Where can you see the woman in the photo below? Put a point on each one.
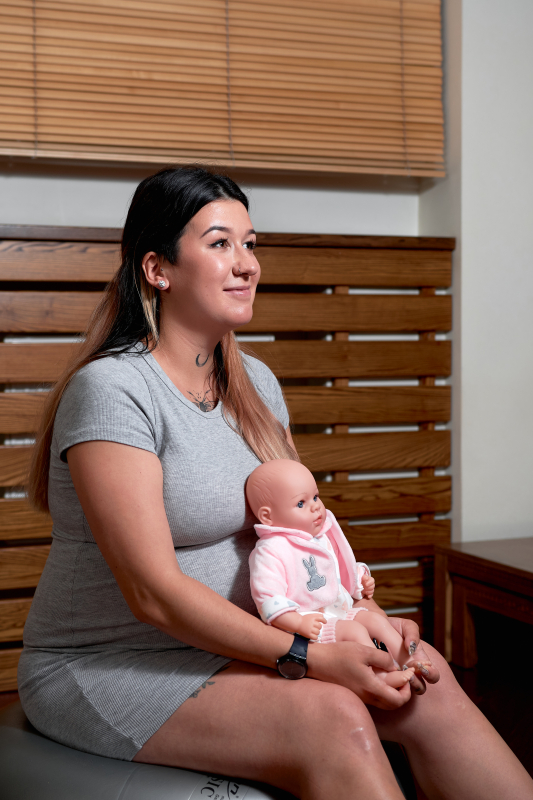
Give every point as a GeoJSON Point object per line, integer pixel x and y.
{"type": "Point", "coordinates": [141, 642]}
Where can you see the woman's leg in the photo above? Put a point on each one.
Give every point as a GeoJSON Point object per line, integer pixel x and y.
{"type": "Point", "coordinates": [453, 750]}
{"type": "Point", "coordinates": [313, 739]}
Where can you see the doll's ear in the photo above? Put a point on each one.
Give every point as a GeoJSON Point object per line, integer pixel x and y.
{"type": "Point", "coordinates": [264, 515]}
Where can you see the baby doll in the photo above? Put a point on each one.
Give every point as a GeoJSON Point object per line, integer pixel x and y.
{"type": "Point", "coordinates": [303, 573]}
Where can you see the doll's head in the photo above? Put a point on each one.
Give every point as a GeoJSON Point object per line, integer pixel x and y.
{"type": "Point", "coordinates": [284, 494]}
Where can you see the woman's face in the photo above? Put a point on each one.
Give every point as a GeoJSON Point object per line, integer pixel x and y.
{"type": "Point", "coordinates": [212, 285]}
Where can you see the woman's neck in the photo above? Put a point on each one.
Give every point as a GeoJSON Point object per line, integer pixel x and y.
{"type": "Point", "coordinates": [187, 359]}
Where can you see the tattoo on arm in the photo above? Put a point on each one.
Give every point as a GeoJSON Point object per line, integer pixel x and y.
{"type": "Point", "coordinates": [198, 360]}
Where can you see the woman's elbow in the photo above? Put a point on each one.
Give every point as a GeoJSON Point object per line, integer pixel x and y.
{"type": "Point", "coordinates": [147, 608]}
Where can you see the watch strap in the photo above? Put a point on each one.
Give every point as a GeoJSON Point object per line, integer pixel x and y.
{"type": "Point", "coordinates": [299, 646]}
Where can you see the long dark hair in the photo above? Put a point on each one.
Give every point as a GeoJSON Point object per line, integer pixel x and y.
{"type": "Point", "coordinates": [161, 207]}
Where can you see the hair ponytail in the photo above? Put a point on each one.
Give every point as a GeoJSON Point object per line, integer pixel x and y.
{"type": "Point", "coordinates": [128, 313]}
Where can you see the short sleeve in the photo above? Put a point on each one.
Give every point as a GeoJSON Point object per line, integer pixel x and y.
{"type": "Point", "coordinates": [107, 400]}
{"type": "Point", "coordinates": [268, 387]}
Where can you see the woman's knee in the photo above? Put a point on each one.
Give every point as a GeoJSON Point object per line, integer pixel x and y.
{"type": "Point", "coordinates": [332, 714]}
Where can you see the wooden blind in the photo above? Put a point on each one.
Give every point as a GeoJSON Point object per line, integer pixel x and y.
{"type": "Point", "coordinates": [343, 86]}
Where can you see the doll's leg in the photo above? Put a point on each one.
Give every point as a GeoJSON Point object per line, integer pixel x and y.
{"type": "Point", "coordinates": [354, 631]}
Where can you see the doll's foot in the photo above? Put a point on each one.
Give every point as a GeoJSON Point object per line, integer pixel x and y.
{"type": "Point", "coordinates": [396, 679]}
{"type": "Point", "coordinates": [422, 664]}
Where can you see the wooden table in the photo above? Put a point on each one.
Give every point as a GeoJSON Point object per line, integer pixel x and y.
{"type": "Point", "coordinates": [493, 575]}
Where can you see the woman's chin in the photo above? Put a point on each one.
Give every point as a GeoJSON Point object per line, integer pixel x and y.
{"type": "Point", "coordinates": [240, 319]}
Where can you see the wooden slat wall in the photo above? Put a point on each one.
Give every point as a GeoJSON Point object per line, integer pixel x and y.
{"type": "Point", "coordinates": [50, 280]}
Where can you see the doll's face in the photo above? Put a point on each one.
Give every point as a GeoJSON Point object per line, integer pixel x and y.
{"type": "Point", "coordinates": [295, 504]}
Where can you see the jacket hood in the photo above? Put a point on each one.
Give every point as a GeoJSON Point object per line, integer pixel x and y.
{"type": "Point", "coordinates": [264, 531]}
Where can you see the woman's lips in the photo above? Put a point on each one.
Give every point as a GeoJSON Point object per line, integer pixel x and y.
{"type": "Point", "coordinates": [239, 291]}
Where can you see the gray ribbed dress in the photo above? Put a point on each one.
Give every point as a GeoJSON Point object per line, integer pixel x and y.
{"type": "Point", "coordinates": [91, 675]}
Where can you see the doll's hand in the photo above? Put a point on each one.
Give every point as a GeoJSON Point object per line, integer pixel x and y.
{"type": "Point", "coordinates": [368, 586]}
{"type": "Point", "coordinates": [311, 625]}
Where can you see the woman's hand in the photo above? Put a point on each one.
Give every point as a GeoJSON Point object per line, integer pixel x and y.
{"type": "Point", "coordinates": [351, 665]}
{"type": "Point", "coordinates": [424, 671]}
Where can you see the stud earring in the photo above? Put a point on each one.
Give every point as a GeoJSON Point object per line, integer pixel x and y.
{"type": "Point", "coordinates": [162, 284]}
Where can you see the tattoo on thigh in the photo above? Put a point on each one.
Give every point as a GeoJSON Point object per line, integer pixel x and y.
{"type": "Point", "coordinates": [203, 686]}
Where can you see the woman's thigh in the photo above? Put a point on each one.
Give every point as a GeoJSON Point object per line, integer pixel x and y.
{"type": "Point", "coordinates": [251, 723]}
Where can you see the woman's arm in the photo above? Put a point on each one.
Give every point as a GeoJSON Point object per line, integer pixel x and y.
{"type": "Point", "coordinates": [121, 492]}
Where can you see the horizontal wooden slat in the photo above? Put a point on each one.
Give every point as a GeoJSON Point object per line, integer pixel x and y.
{"type": "Point", "coordinates": [319, 452]}
{"type": "Point", "coordinates": [9, 660]}
{"type": "Point", "coordinates": [303, 359]}
{"type": "Point", "coordinates": [35, 363]}
{"type": "Point", "coordinates": [89, 150]}
{"type": "Point", "coordinates": [69, 312]}
{"type": "Point", "coordinates": [353, 499]}
{"type": "Point", "coordinates": [373, 451]}
{"type": "Point", "coordinates": [397, 539]}
{"type": "Point", "coordinates": [46, 312]}
{"type": "Point", "coordinates": [58, 261]}
{"type": "Point", "coordinates": [357, 313]}
{"type": "Point", "coordinates": [86, 261]}
{"type": "Point", "coordinates": [74, 234]}
{"type": "Point", "coordinates": [19, 521]}
{"type": "Point", "coordinates": [21, 567]}
{"type": "Point", "coordinates": [66, 234]}
{"type": "Point", "coordinates": [399, 587]}
{"type": "Point", "coordinates": [416, 616]}
{"type": "Point", "coordinates": [327, 266]}
{"type": "Point", "coordinates": [13, 615]}
{"type": "Point", "coordinates": [367, 405]}
{"type": "Point", "coordinates": [20, 411]}
{"type": "Point", "coordinates": [14, 464]}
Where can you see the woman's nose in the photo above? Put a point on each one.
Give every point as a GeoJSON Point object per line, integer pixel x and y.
{"type": "Point", "coordinates": [243, 265]}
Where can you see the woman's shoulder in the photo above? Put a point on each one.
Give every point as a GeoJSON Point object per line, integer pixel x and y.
{"type": "Point", "coordinates": [106, 399]}
{"type": "Point", "coordinates": [113, 381]}
{"type": "Point", "coordinates": [113, 370]}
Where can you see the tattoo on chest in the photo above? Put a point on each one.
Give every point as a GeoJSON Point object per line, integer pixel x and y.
{"type": "Point", "coordinates": [203, 403]}
{"type": "Point", "coordinates": [203, 363]}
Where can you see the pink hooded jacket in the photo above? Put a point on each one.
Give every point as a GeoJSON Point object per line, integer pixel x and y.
{"type": "Point", "coordinates": [290, 571]}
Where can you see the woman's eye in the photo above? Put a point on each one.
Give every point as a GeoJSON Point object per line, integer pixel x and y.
{"type": "Point", "coordinates": [250, 245]}
{"type": "Point", "coordinates": [219, 243]}
{"type": "Point", "coordinates": [300, 504]}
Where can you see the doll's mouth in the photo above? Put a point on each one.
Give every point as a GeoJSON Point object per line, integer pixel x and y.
{"type": "Point", "coordinates": [318, 519]}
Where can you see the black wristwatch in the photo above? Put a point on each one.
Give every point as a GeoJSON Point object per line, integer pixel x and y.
{"type": "Point", "coordinates": [293, 665]}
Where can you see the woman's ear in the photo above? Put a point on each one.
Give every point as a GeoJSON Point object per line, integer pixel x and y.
{"type": "Point", "coordinates": [152, 267]}
{"type": "Point", "coordinates": [264, 515]}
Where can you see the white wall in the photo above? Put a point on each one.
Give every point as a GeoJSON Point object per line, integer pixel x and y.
{"type": "Point", "coordinates": [489, 193]}
{"type": "Point", "coordinates": [27, 199]}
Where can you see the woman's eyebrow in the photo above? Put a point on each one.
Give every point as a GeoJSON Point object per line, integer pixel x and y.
{"type": "Point", "coordinates": [223, 228]}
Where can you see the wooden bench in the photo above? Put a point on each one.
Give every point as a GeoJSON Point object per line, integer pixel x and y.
{"type": "Point", "coordinates": [358, 366]}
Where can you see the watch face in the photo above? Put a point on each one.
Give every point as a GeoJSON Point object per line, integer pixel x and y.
{"type": "Point", "coordinates": [292, 670]}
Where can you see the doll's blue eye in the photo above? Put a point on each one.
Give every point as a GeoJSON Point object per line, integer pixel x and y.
{"type": "Point", "coordinates": [300, 504]}
{"type": "Point", "coordinates": [315, 498]}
